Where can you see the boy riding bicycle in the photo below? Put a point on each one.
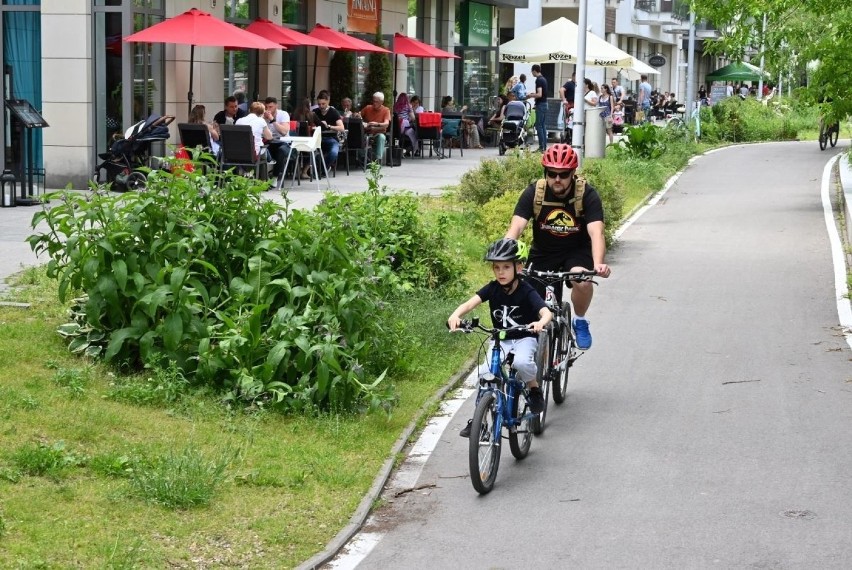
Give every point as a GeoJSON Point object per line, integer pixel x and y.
{"type": "Point", "coordinates": [511, 302]}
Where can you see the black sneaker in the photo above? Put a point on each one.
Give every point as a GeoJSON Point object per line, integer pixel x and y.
{"type": "Point", "coordinates": [536, 400]}
{"type": "Point", "coordinates": [465, 431]}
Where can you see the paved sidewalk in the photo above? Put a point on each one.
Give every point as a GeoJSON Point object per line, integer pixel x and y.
{"type": "Point", "coordinates": [419, 175]}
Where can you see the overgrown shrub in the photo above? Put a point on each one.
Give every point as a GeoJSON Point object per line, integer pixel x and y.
{"type": "Point", "coordinates": [645, 140]}
{"type": "Point", "coordinates": [241, 295]}
{"type": "Point", "coordinates": [495, 177]}
{"type": "Point", "coordinates": [742, 120]}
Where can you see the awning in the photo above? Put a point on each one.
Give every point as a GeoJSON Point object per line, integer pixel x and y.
{"type": "Point", "coordinates": [341, 41]}
{"type": "Point", "coordinates": [283, 35]}
{"type": "Point", "coordinates": [410, 47]}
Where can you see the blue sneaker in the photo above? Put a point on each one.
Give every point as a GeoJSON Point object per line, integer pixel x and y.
{"type": "Point", "coordinates": [582, 334]}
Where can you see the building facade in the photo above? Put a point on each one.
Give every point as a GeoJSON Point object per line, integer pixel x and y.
{"type": "Point", "coordinates": [69, 60]}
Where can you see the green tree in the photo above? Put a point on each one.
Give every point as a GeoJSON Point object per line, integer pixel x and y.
{"type": "Point", "coordinates": [341, 81]}
{"type": "Point", "coordinates": [379, 74]}
{"type": "Point", "coordinates": [810, 38]}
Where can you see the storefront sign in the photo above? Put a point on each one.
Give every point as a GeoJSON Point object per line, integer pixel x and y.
{"type": "Point", "coordinates": [363, 16]}
{"type": "Point", "coordinates": [476, 25]}
{"type": "Point", "coordinates": [657, 60]}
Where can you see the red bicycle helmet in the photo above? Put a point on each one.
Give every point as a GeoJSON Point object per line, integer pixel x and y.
{"type": "Point", "coordinates": [560, 156]}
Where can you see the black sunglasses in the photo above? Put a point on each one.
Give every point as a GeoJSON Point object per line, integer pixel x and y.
{"type": "Point", "coordinates": [563, 175]}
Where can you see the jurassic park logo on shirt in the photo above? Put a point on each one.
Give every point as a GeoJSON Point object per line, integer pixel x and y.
{"type": "Point", "coordinates": [559, 223]}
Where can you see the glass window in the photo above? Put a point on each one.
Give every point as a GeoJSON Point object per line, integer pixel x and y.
{"type": "Point", "coordinates": [22, 65]}
{"type": "Point", "coordinates": [291, 83]}
{"type": "Point", "coordinates": [478, 84]}
{"type": "Point", "coordinates": [293, 13]}
{"type": "Point", "coordinates": [239, 65]}
{"type": "Point", "coordinates": [108, 2]}
{"type": "Point", "coordinates": [108, 86]}
{"type": "Point", "coordinates": [22, 2]}
{"type": "Point", "coordinates": [147, 71]}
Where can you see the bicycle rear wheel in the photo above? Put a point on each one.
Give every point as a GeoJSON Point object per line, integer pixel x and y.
{"type": "Point", "coordinates": [484, 444]}
{"type": "Point", "coordinates": [543, 362]}
{"type": "Point", "coordinates": [564, 348]}
{"type": "Point", "coordinates": [833, 133]}
{"type": "Point", "coordinates": [520, 435]}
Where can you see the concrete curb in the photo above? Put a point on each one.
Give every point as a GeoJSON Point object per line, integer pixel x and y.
{"type": "Point", "coordinates": [845, 170]}
{"type": "Point", "coordinates": [366, 506]}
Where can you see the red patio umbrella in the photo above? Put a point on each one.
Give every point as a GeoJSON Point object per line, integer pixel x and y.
{"type": "Point", "coordinates": [410, 47]}
{"type": "Point", "coordinates": [197, 28]}
{"type": "Point", "coordinates": [284, 35]}
{"type": "Point", "coordinates": [341, 41]}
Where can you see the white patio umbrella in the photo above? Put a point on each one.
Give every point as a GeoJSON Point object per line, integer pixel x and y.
{"type": "Point", "coordinates": [635, 71]}
{"type": "Point", "coordinates": [556, 42]}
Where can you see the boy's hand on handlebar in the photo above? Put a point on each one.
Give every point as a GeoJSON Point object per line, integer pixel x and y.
{"type": "Point", "coordinates": [453, 323]}
{"type": "Point", "coordinates": [602, 270]}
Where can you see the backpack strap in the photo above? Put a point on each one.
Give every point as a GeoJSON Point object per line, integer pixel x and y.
{"type": "Point", "coordinates": [577, 200]}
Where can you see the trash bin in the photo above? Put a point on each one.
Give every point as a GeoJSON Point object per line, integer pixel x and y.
{"type": "Point", "coordinates": [595, 134]}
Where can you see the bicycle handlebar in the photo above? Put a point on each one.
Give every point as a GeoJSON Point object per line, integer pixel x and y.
{"type": "Point", "coordinates": [468, 326]}
{"type": "Point", "coordinates": [551, 277]}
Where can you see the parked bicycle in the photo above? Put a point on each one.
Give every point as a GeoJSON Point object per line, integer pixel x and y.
{"type": "Point", "coordinates": [558, 350]}
{"type": "Point", "coordinates": [502, 404]}
{"type": "Point", "coordinates": [828, 134]}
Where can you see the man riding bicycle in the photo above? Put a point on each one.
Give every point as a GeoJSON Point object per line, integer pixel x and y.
{"type": "Point", "coordinates": [568, 234]}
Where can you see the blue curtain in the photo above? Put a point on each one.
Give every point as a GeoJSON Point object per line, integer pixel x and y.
{"type": "Point", "coordinates": [22, 51]}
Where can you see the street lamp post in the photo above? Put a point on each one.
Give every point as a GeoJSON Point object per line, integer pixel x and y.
{"type": "Point", "coordinates": [578, 132]}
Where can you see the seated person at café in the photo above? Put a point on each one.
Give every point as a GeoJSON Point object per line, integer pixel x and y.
{"type": "Point", "coordinates": [196, 117]}
{"type": "Point", "coordinates": [405, 112]}
{"type": "Point", "coordinates": [346, 107]}
{"type": "Point", "coordinates": [416, 105]}
{"type": "Point", "coordinates": [377, 119]}
{"type": "Point", "coordinates": [330, 123]}
{"type": "Point", "coordinates": [261, 132]}
{"type": "Point", "coordinates": [230, 114]}
{"type": "Point", "coordinates": [279, 121]}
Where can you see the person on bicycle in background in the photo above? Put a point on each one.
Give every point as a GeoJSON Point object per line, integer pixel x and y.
{"type": "Point", "coordinates": [565, 237]}
{"type": "Point", "coordinates": [511, 302]}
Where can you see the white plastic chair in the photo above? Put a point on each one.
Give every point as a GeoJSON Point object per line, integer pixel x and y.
{"type": "Point", "coordinates": [308, 145]}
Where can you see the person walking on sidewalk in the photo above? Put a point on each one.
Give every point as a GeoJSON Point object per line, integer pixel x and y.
{"type": "Point", "coordinates": [568, 230]}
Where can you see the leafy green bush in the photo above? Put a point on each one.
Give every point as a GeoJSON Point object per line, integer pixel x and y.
{"type": "Point", "coordinates": [494, 218]}
{"type": "Point", "coordinates": [41, 459]}
{"type": "Point", "coordinates": [737, 120]}
{"type": "Point", "coordinates": [495, 177]}
{"type": "Point", "coordinates": [645, 140]}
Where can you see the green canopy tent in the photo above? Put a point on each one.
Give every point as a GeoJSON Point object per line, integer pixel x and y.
{"type": "Point", "coordinates": [737, 71]}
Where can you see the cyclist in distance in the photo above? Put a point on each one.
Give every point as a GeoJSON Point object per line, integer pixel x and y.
{"type": "Point", "coordinates": [511, 302]}
{"type": "Point", "coordinates": [567, 236]}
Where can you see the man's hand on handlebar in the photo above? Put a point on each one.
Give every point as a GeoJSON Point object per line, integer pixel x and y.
{"type": "Point", "coordinates": [602, 270]}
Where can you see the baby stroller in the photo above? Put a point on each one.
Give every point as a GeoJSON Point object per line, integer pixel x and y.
{"type": "Point", "coordinates": [513, 131]}
{"type": "Point", "coordinates": [134, 150]}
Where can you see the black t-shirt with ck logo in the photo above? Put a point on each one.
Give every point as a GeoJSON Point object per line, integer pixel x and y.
{"type": "Point", "coordinates": [558, 229]}
{"type": "Point", "coordinates": [519, 308]}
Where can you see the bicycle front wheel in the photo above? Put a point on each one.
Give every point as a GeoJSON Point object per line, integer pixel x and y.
{"type": "Point", "coordinates": [544, 364]}
{"type": "Point", "coordinates": [833, 133]}
{"type": "Point", "coordinates": [484, 444]}
{"type": "Point", "coordinates": [823, 136]}
{"type": "Point", "coordinates": [563, 356]}
{"type": "Point", "coordinates": [520, 434]}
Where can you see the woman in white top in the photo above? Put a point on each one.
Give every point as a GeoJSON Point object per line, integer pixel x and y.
{"type": "Point", "coordinates": [259, 127]}
{"type": "Point", "coordinates": [591, 95]}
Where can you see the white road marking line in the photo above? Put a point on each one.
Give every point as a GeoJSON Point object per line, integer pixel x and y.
{"type": "Point", "coordinates": [844, 308]}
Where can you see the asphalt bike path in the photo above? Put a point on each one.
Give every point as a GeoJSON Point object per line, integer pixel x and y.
{"type": "Point", "coordinates": [708, 425]}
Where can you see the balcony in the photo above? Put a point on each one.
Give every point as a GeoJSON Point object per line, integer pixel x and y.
{"type": "Point", "coordinates": [660, 12]}
{"type": "Point", "coordinates": [704, 30]}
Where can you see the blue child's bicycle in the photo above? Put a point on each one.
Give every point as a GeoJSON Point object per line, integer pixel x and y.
{"type": "Point", "coordinates": [502, 403]}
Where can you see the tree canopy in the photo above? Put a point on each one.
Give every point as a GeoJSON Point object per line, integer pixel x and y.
{"type": "Point", "coordinates": [800, 37]}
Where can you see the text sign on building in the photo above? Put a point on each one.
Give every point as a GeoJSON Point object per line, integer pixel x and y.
{"type": "Point", "coordinates": [476, 25]}
{"type": "Point", "coordinates": [657, 60]}
{"type": "Point", "coordinates": [363, 16]}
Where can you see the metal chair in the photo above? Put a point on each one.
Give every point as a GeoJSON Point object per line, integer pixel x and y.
{"type": "Point", "coordinates": [195, 135]}
{"type": "Point", "coordinates": [428, 129]}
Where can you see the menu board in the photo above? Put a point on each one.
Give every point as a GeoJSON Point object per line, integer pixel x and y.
{"type": "Point", "coordinates": [26, 113]}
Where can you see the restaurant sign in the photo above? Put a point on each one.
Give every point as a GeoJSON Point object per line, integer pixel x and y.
{"type": "Point", "coordinates": [476, 24]}
{"type": "Point", "coordinates": [363, 16]}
